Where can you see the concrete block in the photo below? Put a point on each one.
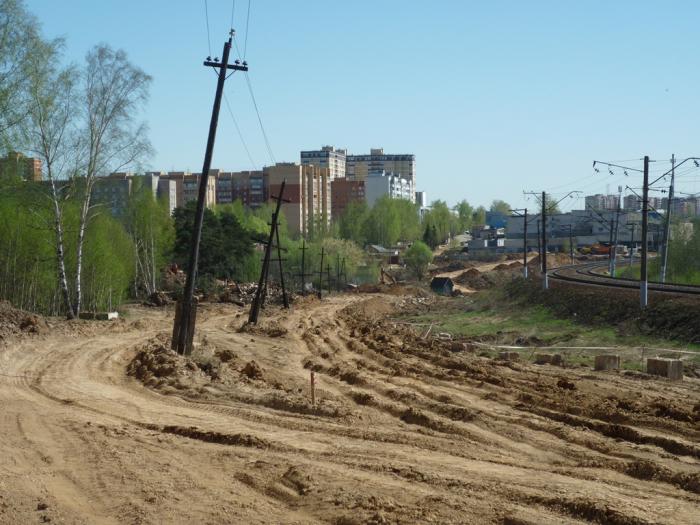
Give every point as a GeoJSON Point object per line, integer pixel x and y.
{"type": "Point", "coordinates": [607, 362]}
{"type": "Point", "coordinates": [509, 356]}
{"type": "Point", "coordinates": [99, 316]}
{"type": "Point", "coordinates": [557, 360]}
{"type": "Point", "coordinates": [669, 368]}
{"type": "Point", "coordinates": [543, 359]}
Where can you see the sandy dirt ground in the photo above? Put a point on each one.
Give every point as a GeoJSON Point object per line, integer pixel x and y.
{"type": "Point", "coordinates": [102, 425]}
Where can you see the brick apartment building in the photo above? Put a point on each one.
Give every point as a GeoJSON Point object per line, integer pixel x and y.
{"type": "Point", "coordinates": [308, 187]}
{"type": "Point", "coordinates": [343, 192]}
{"type": "Point", "coordinates": [15, 164]}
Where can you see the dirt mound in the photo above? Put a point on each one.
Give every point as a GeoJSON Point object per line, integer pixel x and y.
{"type": "Point", "coordinates": [477, 280]}
{"type": "Point", "coordinates": [269, 328]}
{"type": "Point", "coordinates": [157, 366]}
{"type": "Point", "coordinates": [158, 298]}
{"type": "Point", "coordinates": [14, 321]}
{"type": "Point", "coordinates": [252, 370]}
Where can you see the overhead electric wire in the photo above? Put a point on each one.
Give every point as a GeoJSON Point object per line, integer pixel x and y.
{"type": "Point", "coordinates": [233, 9]}
{"type": "Point", "coordinates": [247, 25]}
{"type": "Point", "coordinates": [257, 111]}
{"type": "Point", "coordinates": [206, 16]}
{"type": "Point", "coordinates": [240, 134]}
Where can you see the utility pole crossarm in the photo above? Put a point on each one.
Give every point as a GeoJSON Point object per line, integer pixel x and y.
{"type": "Point", "coordinates": [219, 65]}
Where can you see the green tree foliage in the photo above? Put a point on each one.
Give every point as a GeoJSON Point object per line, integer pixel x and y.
{"type": "Point", "coordinates": [417, 258]}
{"type": "Point", "coordinates": [387, 222]}
{"type": "Point", "coordinates": [430, 236]}
{"type": "Point", "coordinates": [465, 213]}
{"type": "Point", "coordinates": [28, 274]}
{"type": "Point", "coordinates": [552, 205]}
{"type": "Point", "coordinates": [359, 268]}
{"type": "Point", "coordinates": [499, 206]}
{"type": "Point", "coordinates": [225, 247]}
{"type": "Point", "coordinates": [351, 222]}
{"type": "Point", "coordinates": [382, 225]}
{"type": "Point", "coordinates": [441, 219]}
{"type": "Point", "coordinates": [151, 228]}
{"type": "Point", "coordinates": [20, 42]}
{"type": "Point", "coordinates": [479, 216]}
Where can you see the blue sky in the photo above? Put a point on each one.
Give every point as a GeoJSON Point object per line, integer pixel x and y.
{"type": "Point", "coordinates": [493, 98]}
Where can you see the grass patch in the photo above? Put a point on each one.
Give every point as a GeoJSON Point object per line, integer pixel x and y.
{"type": "Point", "coordinates": [491, 317]}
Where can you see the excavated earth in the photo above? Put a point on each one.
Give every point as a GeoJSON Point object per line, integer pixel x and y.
{"type": "Point", "coordinates": [103, 424]}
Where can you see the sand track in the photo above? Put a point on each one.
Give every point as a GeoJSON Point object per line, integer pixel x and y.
{"type": "Point", "coordinates": [416, 433]}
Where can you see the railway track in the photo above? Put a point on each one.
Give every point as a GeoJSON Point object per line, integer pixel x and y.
{"type": "Point", "coordinates": [590, 274]}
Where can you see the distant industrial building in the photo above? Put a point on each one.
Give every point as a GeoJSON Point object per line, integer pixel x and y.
{"type": "Point", "coordinates": [15, 164]}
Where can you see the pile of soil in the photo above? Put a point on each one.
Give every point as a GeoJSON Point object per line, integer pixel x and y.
{"type": "Point", "coordinates": [269, 328]}
{"type": "Point", "coordinates": [14, 321]}
{"type": "Point", "coordinates": [158, 298]}
{"type": "Point", "coordinates": [212, 373]}
{"type": "Point", "coordinates": [477, 280]}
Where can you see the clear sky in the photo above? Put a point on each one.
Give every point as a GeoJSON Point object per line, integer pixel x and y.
{"type": "Point", "coordinates": [492, 97]}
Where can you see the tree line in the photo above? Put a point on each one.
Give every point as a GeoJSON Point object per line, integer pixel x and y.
{"type": "Point", "coordinates": [81, 121]}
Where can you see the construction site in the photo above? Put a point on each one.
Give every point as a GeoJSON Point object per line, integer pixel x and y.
{"type": "Point", "coordinates": [387, 404]}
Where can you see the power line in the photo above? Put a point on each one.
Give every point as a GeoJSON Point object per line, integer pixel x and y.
{"type": "Point", "coordinates": [206, 16]}
{"type": "Point", "coordinates": [262, 127]}
{"type": "Point", "coordinates": [233, 9]}
{"type": "Point", "coordinates": [247, 24]}
{"type": "Point", "coordinates": [240, 135]}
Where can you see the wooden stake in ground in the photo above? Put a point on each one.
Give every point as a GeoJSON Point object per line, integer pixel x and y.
{"type": "Point", "coordinates": [313, 389]}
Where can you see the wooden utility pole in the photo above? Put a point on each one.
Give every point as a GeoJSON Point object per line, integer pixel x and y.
{"type": "Point", "coordinates": [285, 298]}
{"type": "Point", "coordinates": [186, 310]}
{"type": "Point", "coordinates": [262, 282]}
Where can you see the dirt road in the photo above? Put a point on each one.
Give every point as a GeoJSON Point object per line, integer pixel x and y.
{"type": "Point", "coordinates": [405, 431]}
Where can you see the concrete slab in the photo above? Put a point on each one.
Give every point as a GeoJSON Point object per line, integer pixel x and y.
{"type": "Point", "coordinates": [543, 359]}
{"type": "Point", "coordinates": [509, 356]}
{"type": "Point", "coordinates": [669, 368]}
{"type": "Point", "coordinates": [99, 316]}
{"type": "Point", "coordinates": [607, 362]}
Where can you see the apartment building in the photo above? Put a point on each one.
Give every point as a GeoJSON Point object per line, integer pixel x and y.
{"type": "Point", "coordinates": [358, 167]}
{"type": "Point", "coordinates": [327, 157]}
{"type": "Point", "coordinates": [15, 164]}
{"type": "Point", "coordinates": [308, 188]}
{"type": "Point", "coordinates": [381, 183]}
{"type": "Point", "coordinates": [602, 202]}
{"type": "Point", "coordinates": [114, 190]}
{"type": "Point", "coordinates": [247, 186]}
{"type": "Point", "coordinates": [187, 186]}
{"type": "Point", "coordinates": [343, 192]}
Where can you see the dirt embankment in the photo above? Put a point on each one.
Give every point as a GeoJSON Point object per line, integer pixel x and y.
{"type": "Point", "coordinates": [384, 385]}
{"type": "Point", "coordinates": [668, 316]}
{"type": "Point", "coordinates": [405, 428]}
